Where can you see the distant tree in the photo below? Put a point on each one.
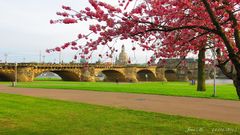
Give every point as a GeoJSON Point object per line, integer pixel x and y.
{"type": "Point", "coordinates": [98, 62]}
{"type": "Point", "coordinates": [83, 60]}
{"type": "Point", "coordinates": [181, 26]}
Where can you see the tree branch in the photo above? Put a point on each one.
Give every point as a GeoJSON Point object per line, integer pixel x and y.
{"type": "Point", "coordinates": [222, 66]}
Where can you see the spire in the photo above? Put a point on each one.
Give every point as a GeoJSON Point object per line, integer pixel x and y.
{"type": "Point", "coordinates": [116, 60]}
{"type": "Point", "coordinates": [123, 48]}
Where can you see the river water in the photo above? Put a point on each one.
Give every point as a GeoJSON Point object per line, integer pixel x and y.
{"type": "Point", "coordinates": [220, 81]}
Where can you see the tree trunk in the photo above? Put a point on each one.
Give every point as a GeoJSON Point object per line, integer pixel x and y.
{"type": "Point", "coordinates": [236, 83]}
{"type": "Point", "coordinates": [201, 86]}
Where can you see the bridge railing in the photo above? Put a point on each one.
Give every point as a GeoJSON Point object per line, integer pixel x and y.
{"type": "Point", "coordinates": [71, 65]}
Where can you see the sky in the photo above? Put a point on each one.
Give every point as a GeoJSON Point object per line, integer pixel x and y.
{"type": "Point", "coordinates": [25, 31]}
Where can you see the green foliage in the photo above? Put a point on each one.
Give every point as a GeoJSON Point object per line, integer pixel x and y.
{"type": "Point", "coordinates": [20, 115]}
{"type": "Point", "coordinates": [226, 91]}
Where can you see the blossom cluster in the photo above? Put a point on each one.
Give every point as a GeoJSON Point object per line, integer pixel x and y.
{"type": "Point", "coordinates": [168, 28]}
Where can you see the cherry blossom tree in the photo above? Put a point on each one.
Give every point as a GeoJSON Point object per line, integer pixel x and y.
{"type": "Point", "coordinates": [168, 28]}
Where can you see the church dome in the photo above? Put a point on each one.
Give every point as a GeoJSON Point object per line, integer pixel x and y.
{"type": "Point", "coordinates": [123, 57]}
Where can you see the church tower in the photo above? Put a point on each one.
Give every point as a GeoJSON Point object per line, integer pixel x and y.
{"type": "Point", "coordinates": [123, 57]}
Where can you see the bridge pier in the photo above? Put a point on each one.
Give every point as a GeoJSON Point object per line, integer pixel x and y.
{"type": "Point", "coordinates": [130, 74]}
{"type": "Point", "coordinates": [183, 78]}
{"type": "Point", "coordinates": [88, 75]}
{"type": "Point", "coordinates": [160, 74]}
{"type": "Point", "coordinates": [25, 74]}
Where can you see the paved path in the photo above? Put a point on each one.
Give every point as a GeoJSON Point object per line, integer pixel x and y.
{"type": "Point", "coordinates": [213, 109]}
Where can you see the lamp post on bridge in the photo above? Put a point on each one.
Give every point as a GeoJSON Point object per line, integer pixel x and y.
{"type": "Point", "coordinates": [16, 77]}
{"type": "Point", "coordinates": [40, 57]}
{"type": "Point", "coordinates": [24, 59]}
{"type": "Point", "coordinates": [60, 57]}
{"type": "Point", "coordinates": [6, 56]}
{"type": "Point", "coordinates": [43, 59]}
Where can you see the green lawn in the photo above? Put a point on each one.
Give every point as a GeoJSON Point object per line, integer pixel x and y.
{"type": "Point", "coordinates": [226, 91]}
{"type": "Point", "coordinates": [21, 115]}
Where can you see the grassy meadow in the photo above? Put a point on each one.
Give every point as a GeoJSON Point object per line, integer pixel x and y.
{"type": "Point", "coordinates": [21, 115]}
{"type": "Point", "coordinates": [226, 91]}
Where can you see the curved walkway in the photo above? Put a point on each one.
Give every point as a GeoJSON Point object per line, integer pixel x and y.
{"type": "Point", "coordinates": [212, 109]}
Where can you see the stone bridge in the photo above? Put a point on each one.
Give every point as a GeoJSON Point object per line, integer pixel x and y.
{"type": "Point", "coordinates": [26, 72]}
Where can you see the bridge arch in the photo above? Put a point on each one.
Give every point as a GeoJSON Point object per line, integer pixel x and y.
{"type": "Point", "coordinates": [48, 75]}
{"type": "Point", "coordinates": [6, 77]}
{"type": "Point", "coordinates": [113, 75]}
{"type": "Point", "coordinates": [63, 74]}
{"type": "Point", "coordinates": [171, 75]}
{"type": "Point", "coordinates": [146, 75]}
{"type": "Point", "coordinates": [190, 75]}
